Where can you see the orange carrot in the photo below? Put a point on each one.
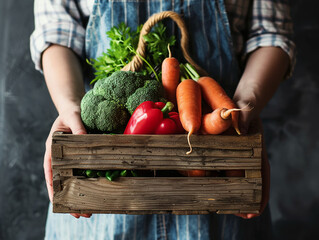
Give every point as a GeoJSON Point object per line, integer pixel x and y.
{"type": "Point", "coordinates": [216, 97]}
{"type": "Point", "coordinates": [189, 102]}
{"type": "Point", "coordinates": [170, 77]}
{"type": "Point", "coordinates": [217, 121]}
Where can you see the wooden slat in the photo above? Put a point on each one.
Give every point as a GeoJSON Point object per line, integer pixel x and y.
{"type": "Point", "coordinates": [70, 150]}
{"type": "Point", "coordinates": [56, 150]}
{"type": "Point", "coordinates": [163, 141]}
{"type": "Point", "coordinates": [159, 164]}
{"type": "Point", "coordinates": [252, 173]}
{"type": "Point", "coordinates": [257, 152]}
{"type": "Point", "coordinates": [151, 194]}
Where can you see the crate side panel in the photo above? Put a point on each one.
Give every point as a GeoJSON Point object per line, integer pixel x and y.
{"type": "Point", "coordinates": [162, 141]}
{"type": "Point", "coordinates": [151, 194]}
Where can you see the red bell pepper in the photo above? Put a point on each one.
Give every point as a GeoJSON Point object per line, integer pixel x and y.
{"type": "Point", "coordinates": [154, 118]}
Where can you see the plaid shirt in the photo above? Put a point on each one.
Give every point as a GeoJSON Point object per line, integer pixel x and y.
{"type": "Point", "coordinates": [253, 24]}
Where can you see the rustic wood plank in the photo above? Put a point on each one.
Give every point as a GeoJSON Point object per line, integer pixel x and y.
{"type": "Point", "coordinates": [56, 150]}
{"type": "Point", "coordinates": [66, 172]}
{"type": "Point", "coordinates": [164, 194]}
{"type": "Point", "coordinates": [252, 173]}
{"type": "Point", "coordinates": [73, 149]}
{"type": "Point", "coordinates": [163, 141]}
{"type": "Point", "coordinates": [257, 152]}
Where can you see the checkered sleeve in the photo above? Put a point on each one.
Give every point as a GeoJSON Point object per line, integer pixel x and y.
{"type": "Point", "coordinates": [56, 22]}
{"type": "Point", "coordinates": [271, 25]}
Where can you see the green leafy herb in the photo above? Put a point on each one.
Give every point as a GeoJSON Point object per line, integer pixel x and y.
{"type": "Point", "coordinates": [157, 42]}
{"type": "Point", "coordinates": [123, 42]}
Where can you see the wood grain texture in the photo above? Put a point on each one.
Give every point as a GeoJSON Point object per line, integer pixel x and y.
{"type": "Point", "coordinates": [145, 195]}
{"type": "Point", "coordinates": [157, 195]}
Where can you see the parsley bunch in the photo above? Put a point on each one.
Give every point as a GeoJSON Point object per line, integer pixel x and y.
{"type": "Point", "coordinates": [123, 42]}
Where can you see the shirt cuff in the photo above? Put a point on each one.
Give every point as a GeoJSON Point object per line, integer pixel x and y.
{"type": "Point", "coordinates": [67, 34]}
{"type": "Point", "coordinates": [273, 40]}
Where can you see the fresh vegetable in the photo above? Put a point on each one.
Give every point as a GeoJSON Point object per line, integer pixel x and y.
{"type": "Point", "coordinates": [106, 107]}
{"type": "Point", "coordinates": [152, 90]}
{"type": "Point", "coordinates": [189, 102]}
{"type": "Point", "coordinates": [99, 114]}
{"type": "Point", "coordinates": [170, 77]}
{"type": "Point", "coordinates": [111, 175]}
{"type": "Point", "coordinates": [216, 97]}
{"type": "Point", "coordinates": [154, 118]}
{"type": "Point", "coordinates": [187, 71]}
{"type": "Point", "coordinates": [122, 41]}
{"type": "Point", "coordinates": [119, 86]}
{"type": "Point", "coordinates": [217, 121]}
{"type": "Point", "coordinates": [91, 173]}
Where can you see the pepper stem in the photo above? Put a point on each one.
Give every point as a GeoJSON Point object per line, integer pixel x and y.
{"type": "Point", "coordinates": [167, 108]}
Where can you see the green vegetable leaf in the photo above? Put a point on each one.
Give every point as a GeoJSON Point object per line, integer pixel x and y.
{"type": "Point", "coordinates": [122, 41]}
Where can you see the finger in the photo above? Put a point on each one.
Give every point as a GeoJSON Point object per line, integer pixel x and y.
{"type": "Point", "coordinates": [76, 215]}
{"type": "Point", "coordinates": [252, 215]}
{"type": "Point", "coordinates": [247, 215]}
{"type": "Point", "coordinates": [265, 171]}
{"type": "Point", "coordinates": [57, 126]}
{"type": "Point", "coordinates": [48, 172]}
{"type": "Point", "coordinates": [244, 117]}
{"type": "Point", "coordinates": [244, 122]}
{"type": "Point", "coordinates": [75, 124]}
{"type": "Point", "coordinates": [242, 215]}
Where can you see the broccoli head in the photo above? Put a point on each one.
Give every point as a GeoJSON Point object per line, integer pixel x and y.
{"type": "Point", "coordinates": [106, 107]}
{"type": "Point", "coordinates": [99, 114]}
{"type": "Point", "coordinates": [151, 91]}
{"type": "Point", "coordinates": [119, 86]}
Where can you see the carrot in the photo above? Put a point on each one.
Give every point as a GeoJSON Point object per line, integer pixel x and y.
{"type": "Point", "coordinates": [170, 77]}
{"type": "Point", "coordinates": [189, 102]}
{"type": "Point", "coordinates": [217, 121]}
{"type": "Point", "coordinates": [216, 97]}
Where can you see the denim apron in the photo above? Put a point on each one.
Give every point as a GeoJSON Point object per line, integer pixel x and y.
{"type": "Point", "coordinates": [211, 47]}
{"type": "Point", "coordinates": [207, 23]}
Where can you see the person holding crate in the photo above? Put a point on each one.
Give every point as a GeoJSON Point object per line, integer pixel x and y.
{"type": "Point", "coordinates": [245, 45]}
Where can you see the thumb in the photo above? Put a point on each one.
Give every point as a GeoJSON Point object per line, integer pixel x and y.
{"type": "Point", "coordinates": [76, 125]}
{"type": "Point", "coordinates": [244, 117]}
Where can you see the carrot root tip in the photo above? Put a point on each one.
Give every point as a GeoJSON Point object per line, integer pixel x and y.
{"type": "Point", "coordinates": [238, 131]}
{"type": "Point", "coordinates": [189, 143]}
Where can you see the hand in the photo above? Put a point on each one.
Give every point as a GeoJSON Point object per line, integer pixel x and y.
{"type": "Point", "coordinates": [68, 121]}
{"type": "Point", "coordinates": [245, 119]}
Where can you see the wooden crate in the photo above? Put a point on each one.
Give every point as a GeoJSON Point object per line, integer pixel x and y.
{"type": "Point", "coordinates": [148, 195]}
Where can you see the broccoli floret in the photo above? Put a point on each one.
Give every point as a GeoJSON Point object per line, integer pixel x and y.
{"type": "Point", "coordinates": [151, 91]}
{"type": "Point", "coordinates": [99, 114]}
{"type": "Point", "coordinates": [119, 86]}
{"type": "Point", "coordinates": [105, 107]}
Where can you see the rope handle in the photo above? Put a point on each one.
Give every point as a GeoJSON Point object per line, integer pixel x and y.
{"type": "Point", "coordinates": [137, 62]}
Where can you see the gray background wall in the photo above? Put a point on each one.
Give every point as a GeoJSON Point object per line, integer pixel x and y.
{"type": "Point", "coordinates": [26, 114]}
